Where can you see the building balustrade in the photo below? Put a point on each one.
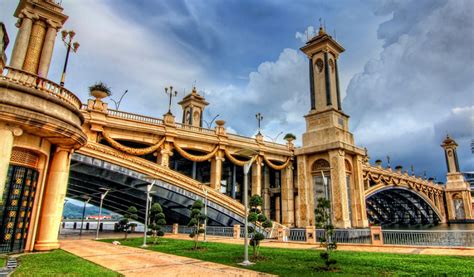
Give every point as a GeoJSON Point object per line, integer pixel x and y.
{"type": "Point", "coordinates": [42, 84]}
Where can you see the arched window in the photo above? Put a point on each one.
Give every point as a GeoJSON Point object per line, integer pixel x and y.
{"type": "Point", "coordinates": [319, 65]}
{"type": "Point", "coordinates": [321, 180]}
{"type": "Point", "coordinates": [348, 168]}
{"type": "Point", "coordinates": [458, 207]}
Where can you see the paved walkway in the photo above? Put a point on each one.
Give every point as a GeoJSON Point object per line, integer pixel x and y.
{"type": "Point", "coordinates": [131, 261]}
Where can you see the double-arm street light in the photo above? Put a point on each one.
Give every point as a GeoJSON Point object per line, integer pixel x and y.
{"type": "Point", "coordinates": [67, 37]}
{"type": "Point", "coordinates": [252, 154]}
{"type": "Point", "coordinates": [171, 93]}
{"type": "Point", "coordinates": [205, 213]}
{"type": "Point", "coordinates": [259, 118]}
{"type": "Point", "coordinates": [102, 197]}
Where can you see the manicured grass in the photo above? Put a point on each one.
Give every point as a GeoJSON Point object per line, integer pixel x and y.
{"type": "Point", "coordinates": [292, 262]}
{"type": "Point", "coordinates": [58, 263]}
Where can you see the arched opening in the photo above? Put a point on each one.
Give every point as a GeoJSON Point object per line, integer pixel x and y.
{"type": "Point", "coordinates": [458, 207]}
{"type": "Point", "coordinates": [398, 206]}
{"type": "Point", "coordinates": [320, 170]}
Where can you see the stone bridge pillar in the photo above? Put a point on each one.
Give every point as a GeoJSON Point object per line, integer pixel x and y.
{"type": "Point", "coordinates": [53, 200]}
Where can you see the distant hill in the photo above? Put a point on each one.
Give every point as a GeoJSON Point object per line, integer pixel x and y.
{"type": "Point", "coordinates": [72, 211]}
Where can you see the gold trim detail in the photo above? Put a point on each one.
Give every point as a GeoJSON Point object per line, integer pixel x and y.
{"type": "Point", "coordinates": [195, 158]}
{"type": "Point", "coordinates": [132, 151]}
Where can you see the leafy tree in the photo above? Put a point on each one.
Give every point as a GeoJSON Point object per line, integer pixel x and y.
{"type": "Point", "coordinates": [157, 220]}
{"type": "Point", "coordinates": [124, 224]}
{"type": "Point", "coordinates": [323, 220]}
{"type": "Point", "coordinates": [196, 221]}
{"type": "Point", "coordinates": [255, 216]}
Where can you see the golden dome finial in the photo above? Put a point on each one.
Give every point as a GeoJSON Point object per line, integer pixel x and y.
{"type": "Point", "coordinates": [321, 27]}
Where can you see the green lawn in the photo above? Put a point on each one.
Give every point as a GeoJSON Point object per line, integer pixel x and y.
{"type": "Point", "coordinates": [57, 263]}
{"type": "Point", "coordinates": [290, 262]}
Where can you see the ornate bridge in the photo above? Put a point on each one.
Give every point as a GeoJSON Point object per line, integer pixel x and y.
{"type": "Point", "coordinates": [394, 197]}
{"type": "Point", "coordinates": [51, 145]}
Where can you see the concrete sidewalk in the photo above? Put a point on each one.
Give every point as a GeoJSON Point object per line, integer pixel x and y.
{"type": "Point", "coordinates": [131, 261]}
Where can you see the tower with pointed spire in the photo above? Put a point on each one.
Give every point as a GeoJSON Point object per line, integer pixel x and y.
{"type": "Point", "coordinates": [329, 163]}
{"type": "Point", "coordinates": [193, 106]}
{"type": "Point", "coordinates": [458, 191]}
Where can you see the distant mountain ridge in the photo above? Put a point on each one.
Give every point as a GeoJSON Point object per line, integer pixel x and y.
{"type": "Point", "coordinates": [72, 211]}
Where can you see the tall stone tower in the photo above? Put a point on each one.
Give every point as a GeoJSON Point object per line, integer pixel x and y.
{"type": "Point", "coordinates": [193, 106]}
{"type": "Point", "coordinates": [329, 163]}
{"type": "Point", "coordinates": [458, 191]}
{"type": "Point", "coordinates": [39, 22]}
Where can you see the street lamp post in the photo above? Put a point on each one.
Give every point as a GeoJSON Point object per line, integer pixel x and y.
{"type": "Point", "coordinates": [205, 213]}
{"type": "Point", "coordinates": [67, 37]}
{"type": "Point", "coordinates": [247, 167]}
{"type": "Point", "coordinates": [83, 214]}
{"type": "Point", "coordinates": [171, 93]}
{"type": "Point", "coordinates": [148, 190]}
{"type": "Point", "coordinates": [102, 197]}
{"type": "Point", "coordinates": [259, 120]}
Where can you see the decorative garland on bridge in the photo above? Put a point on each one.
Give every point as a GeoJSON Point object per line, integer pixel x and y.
{"type": "Point", "coordinates": [195, 158]}
{"type": "Point", "coordinates": [234, 160]}
{"type": "Point", "coordinates": [130, 150]}
{"type": "Point", "coordinates": [277, 167]}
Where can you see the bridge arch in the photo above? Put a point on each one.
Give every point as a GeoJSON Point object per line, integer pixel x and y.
{"type": "Point", "coordinates": [96, 165]}
{"type": "Point", "coordinates": [397, 205]}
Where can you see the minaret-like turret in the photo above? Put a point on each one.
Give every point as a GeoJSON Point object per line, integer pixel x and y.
{"type": "Point", "coordinates": [458, 191]}
{"type": "Point", "coordinates": [193, 106]}
{"type": "Point", "coordinates": [328, 149]}
{"type": "Point", "coordinates": [39, 22]}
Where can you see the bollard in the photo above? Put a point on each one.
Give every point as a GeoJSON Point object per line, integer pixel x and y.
{"type": "Point", "coordinates": [175, 229]}
{"type": "Point", "coordinates": [236, 234]}
{"type": "Point", "coordinates": [376, 235]}
{"type": "Point", "coordinates": [281, 233]}
{"type": "Point", "coordinates": [311, 234]}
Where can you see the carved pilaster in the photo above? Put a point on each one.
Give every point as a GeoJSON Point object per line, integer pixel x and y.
{"type": "Point", "coordinates": [35, 47]}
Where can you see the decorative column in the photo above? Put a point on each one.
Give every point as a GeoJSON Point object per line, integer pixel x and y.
{"type": "Point", "coordinates": [257, 177]}
{"type": "Point", "coordinates": [35, 46]}
{"type": "Point", "coordinates": [359, 212]}
{"type": "Point", "coordinates": [7, 134]}
{"type": "Point", "coordinates": [277, 209]}
{"type": "Point", "coordinates": [53, 200]}
{"type": "Point", "coordinates": [339, 197]}
{"type": "Point", "coordinates": [22, 40]}
{"type": "Point", "coordinates": [305, 203]}
{"type": "Point", "coordinates": [216, 170]}
{"type": "Point", "coordinates": [166, 152]}
{"type": "Point", "coordinates": [48, 47]}
{"type": "Point", "coordinates": [266, 192]}
{"type": "Point", "coordinates": [287, 201]}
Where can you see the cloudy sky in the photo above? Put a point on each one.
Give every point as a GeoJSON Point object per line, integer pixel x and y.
{"type": "Point", "coordinates": [406, 75]}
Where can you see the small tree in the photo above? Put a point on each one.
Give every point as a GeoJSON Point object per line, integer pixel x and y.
{"type": "Point", "coordinates": [323, 220]}
{"type": "Point", "coordinates": [196, 221]}
{"type": "Point", "coordinates": [255, 217]}
{"type": "Point", "coordinates": [157, 220]}
{"type": "Point", "coordinates": [124, 224]}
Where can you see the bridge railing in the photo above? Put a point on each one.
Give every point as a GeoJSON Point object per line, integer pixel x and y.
{"type": "Point", "coordinates": [195, 128]}
{"type": "Point", "coordinates": [220, 231]}
{"type": "Point", "coordinates": [359, 236]}
{"type": "Point", "coordinates": [463, 238]}
{"type": "Point", "coordinates": [42, 84]}
{"type": "Point", "coordinates": [135, 117]}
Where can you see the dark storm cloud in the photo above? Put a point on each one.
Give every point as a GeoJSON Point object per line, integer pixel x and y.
{"type": "Point", "coordinates": [420, 87]}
